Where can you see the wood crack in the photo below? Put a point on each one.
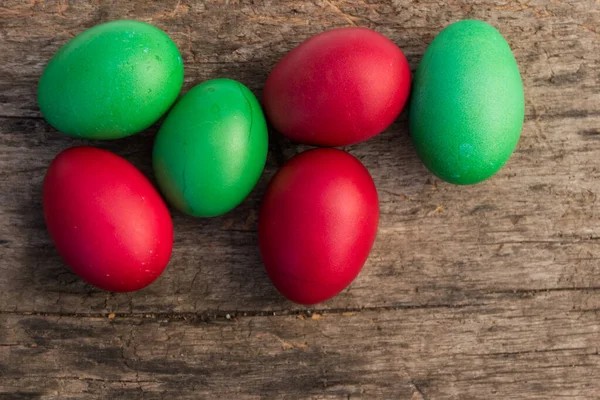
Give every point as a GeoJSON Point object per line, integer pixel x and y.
{"type": "Point", "coordinates": [233, 314]}
{"type": "Point", "coordinates": [536, 351]}
{"type": "Point", "coordinates": [83, 379]}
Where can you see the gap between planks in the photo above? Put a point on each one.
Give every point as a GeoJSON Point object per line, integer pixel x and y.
{"type": "Point", "coordinates": [212, 315]}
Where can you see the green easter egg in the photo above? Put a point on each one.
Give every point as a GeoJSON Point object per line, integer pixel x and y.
{"type": "Point", "coordinates": [111, 81]}
{"type": "Point", "coordinates": [211, 149]}
{"type": "Point", "coordinates": [467, 106]}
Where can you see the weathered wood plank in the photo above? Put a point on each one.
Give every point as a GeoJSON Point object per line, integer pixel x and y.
{"type": "Point", "coordinates": [552, 40]}
{"type": "Point", "coordinates": [533, 227]}
{"type": "Point", "coordinates": [542, 346]}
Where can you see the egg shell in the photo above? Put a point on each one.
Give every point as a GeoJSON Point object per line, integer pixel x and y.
{"type": "Point", "coordinates": [211, 149]}
{"type": "Point", "coordinates": [111, 81]}
{"type": "Point", "coordinates": [108, 223]}
{"type": "Point", "coordinates": [317, 224]}
{"type": "Point", "coordinates": [467, 105]}
{"type": "Point", "coordinates": [337, 88]}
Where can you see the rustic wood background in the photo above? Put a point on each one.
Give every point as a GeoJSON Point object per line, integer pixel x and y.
{"type": "Point", "coordinates": [488, 291]}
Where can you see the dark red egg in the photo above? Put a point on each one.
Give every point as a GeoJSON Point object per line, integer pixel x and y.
{"type": "Point", "coordinates": [317, 223]}
{"type": "Point", "coordinates": [108, 223]}
{"type": "Point", "coordinates": [337, 88]}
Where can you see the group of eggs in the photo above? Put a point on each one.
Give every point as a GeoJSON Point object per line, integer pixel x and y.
{"type": "Point", "coordinates": [318, 218]}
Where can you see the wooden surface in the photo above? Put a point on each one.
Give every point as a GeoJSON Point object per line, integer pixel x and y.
{"type": "Point", "coordinates": [488, 291]}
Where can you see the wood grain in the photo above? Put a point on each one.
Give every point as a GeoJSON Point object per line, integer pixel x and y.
{"type": "Point", "coordinates": [521, 249]}
{"type": "Point", "coordinates": [518, 348]}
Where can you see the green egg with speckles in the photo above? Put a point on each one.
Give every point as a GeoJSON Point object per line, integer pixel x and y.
{"type": "Point", "coordinates": [211, 149]}
{"type": "Point", "coordinates": [111, 81]}
{"type": "Point", "coordinates": [467, 105]}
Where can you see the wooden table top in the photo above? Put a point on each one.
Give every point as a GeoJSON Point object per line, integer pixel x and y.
{"type": "Point", "coordinates": [486, 291]}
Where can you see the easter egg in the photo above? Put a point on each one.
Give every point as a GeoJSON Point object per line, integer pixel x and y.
{"type": "Point", "coordinates": [111, 81]}
{"type": "Point", "coordinates": [337, 88]}
{"type": "Point", "coordinates": [211, 148]}
{"type": "Point", "coordinates": [467, 105]}
{"type": "Point", "coordinates": [108, 223]}
{"type": "Point", "coordinates": [317, 223]}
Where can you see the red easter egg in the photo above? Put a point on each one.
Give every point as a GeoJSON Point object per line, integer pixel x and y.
{"type": "Point", "coordinates": [108, 223]}
{"type": "Point", "coordinates": [337, 88]}
{"type": "Point", "coordinates": [317, 223]}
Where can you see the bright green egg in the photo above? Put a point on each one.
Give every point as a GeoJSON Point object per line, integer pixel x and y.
{"type": "Point", "coordinates": [211, 149]}
{"type": "Point", "coordinates": [467, 105]}
{"type": "Point", "coordinates": [111, 81]}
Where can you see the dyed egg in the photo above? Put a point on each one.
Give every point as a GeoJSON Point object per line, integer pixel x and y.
{"type": "Point", "coordinates": [337, 88]}
{"type": "Point", "coordinates": [211, 149]}
{"type": "Point", "coordinates": [317, 224]}
{"type": "Point", "coordinates": [467, 106]}
{"type": "Point", "coordinates": [106, 220]}
{"type": "Point", "coordinates": [111, 81]}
